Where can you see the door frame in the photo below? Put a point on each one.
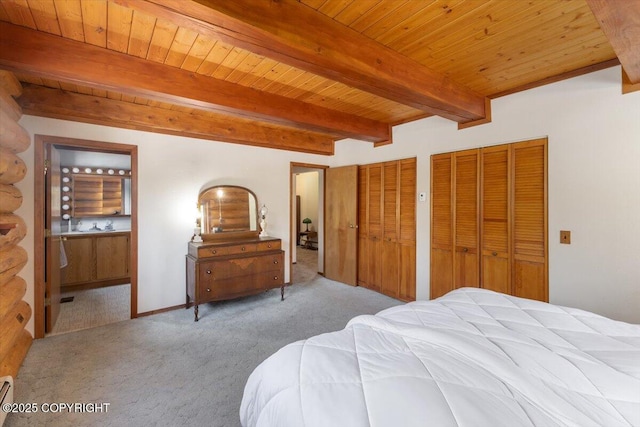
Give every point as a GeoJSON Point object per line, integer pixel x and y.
{"type": "Point", "coordinates": [293, 238]}
{"type": "Point", "coordinates": [39, 205]}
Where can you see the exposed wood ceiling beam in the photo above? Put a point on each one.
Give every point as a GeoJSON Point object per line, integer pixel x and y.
{"type": "Point", "coordinates": [620, 21]}
{"type": "Point", "coordinates": [295, 34]}
{"type": "Point", "coordinates": [55, 103]}
{"type": "Point", "coordinates": [49, 56]}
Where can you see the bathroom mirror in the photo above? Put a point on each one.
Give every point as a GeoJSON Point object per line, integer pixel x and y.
{"type": "Point", "coordinates": [228, 211]}
{"type": "Point", "coordinates": [91, 193]}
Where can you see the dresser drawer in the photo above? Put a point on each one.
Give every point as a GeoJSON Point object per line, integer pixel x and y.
{"type": "Point", "coordinates": [236, 267]}
{"type": "Point", "coordinates": [269, 280]}
{"type": "Point", "coordinates": [269, 246]}
{"type": "Point", "coordinates": [238, 286]}
{"type": "Point", "coordinates": [270, 262]}
{"type": "Point", "coordinates": [216, 251]}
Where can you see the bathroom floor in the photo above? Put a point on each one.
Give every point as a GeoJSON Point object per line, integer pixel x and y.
{"type": "Point", "coordinates": [93, 307]}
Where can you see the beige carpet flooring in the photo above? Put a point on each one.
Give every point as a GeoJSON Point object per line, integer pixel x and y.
{"type": "Point", "coordinates": [306, 266]}
{"type": "Point", "coordinates": [93, 307]}
{"type": "Point", "coordinates": [167, 370]}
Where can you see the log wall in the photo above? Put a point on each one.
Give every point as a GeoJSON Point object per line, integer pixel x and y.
{"type": "Point", "coordinates": [15, 340]}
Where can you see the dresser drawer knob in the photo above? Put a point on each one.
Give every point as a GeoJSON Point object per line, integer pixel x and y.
{"type": "Point", "coordinates": [269, 245]}
{"type": "Point", "coordinates": [275, 261]}
{"type": "Point", "coordinates": [214, 252]}
{"type": "Point", "coordinates": [275, 277]}
{"type": "Point", "coordinates": [208, 289]}
{"type": "Point", "coordinates": [494, 253]}
{"type": "Point", "coordinates": [208, 271]}
{"type": "Point", "coordinates": [243, 249]}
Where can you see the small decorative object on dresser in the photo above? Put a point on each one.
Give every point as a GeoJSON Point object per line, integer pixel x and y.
{"type": "Point", "coordinates": [263, 221]}
{"type": "Point", "coordinates": [234, 261]}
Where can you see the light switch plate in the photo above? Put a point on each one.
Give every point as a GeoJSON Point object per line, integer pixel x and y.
{"type": "Point", "coordinates": [565, 237]}
{"type": "Point", "coordinates": [422, 197]}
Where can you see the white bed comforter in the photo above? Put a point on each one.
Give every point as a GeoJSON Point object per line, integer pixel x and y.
{"type": "Point", "coordinates": [470, 358]}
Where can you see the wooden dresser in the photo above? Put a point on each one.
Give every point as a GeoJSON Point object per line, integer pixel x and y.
{"type": "Point", "coordinates": [219, 271]}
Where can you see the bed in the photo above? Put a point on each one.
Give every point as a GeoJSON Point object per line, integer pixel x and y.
{"type": "Point", "coordinates": [470, 358]}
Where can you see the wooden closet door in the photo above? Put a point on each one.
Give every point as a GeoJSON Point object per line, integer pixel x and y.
{"type": "Point", "coordinates": [391, 212]}
{"type": "Point", "coordinates": [495, 231]}
{"type": "Point", "coordinates": [530, 220]}
{"type": "Point", "coordinates": [363, 229]}
{"type": "Point", "coordinates": [374, 224]}
{"type": "Point", "coordinates": [407, 229]}
{"type": "Point", "coordinates": [441, 225]}
{"type": "Point", "coordinates": [466, 265]}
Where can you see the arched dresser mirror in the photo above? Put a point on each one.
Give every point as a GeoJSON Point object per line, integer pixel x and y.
{"type": "Point", "coordinates": [228, 212]}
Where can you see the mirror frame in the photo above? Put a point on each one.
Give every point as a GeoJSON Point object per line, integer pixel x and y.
{"type": "Point", "coordinates": [229, 235]}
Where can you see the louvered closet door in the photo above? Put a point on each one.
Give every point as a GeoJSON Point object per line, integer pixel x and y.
{"type": "Point", "coordinates": [390, 253]}
{"type": "Point", "coordinates": [407, 229]}
{"type": "Point", "coordinates": [363, 230]}
{"type": "Point", "coordinates": [374, 212]}
{"type": "Point", "coordinates": [530, 220]}
{"type": "Point", "coordinates": [441, 225]}
{"type": "Point", "coordinates": [495, 231]}
{"type": "Point", "coordinates": [466, 228]}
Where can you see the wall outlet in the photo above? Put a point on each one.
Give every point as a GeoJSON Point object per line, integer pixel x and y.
{"type": "Point", "coordinates": [422, 197]}
{"type": "Point", "coordinates": [565, 237]}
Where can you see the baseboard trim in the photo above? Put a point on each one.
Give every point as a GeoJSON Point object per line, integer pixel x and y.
{"type": "Point", "coordinates": [161, 310]}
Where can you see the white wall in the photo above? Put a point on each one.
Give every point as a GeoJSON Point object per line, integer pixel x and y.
{"type": "Point", "coordinates": [307, 189]}
{"type": "Point", "coordinates": [594, 182]}
{"type": "Point", "coordinates": [594, 187]}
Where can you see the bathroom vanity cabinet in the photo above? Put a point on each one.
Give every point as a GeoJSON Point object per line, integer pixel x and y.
{"type": "Point", "coordinates": [95, 260]}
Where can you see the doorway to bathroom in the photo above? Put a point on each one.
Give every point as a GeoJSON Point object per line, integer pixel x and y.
{"type": "Point", "coordinates": [86, 234]}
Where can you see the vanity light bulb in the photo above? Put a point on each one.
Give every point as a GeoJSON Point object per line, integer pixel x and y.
{"type": "Point", "coordinates": [65, 179]}
{"type": "Point", "coordinates": [87, 170]}
{"type": "Point", "coordinates": [75, 170]}
{"type": "Point", "coordinates": [65, 198]}
{"type": "Point", "coordinates": [65, 207]}
{"type": "Point", "coordinates": [65, 189]}
{"type": "Point", "coordinates": [66, 216]}
{"type": "Point", "coordinates": [120, 172]}
{"type": "Point", "coordinates": [99, 171]}
{"type": "Point", "coordinates": [110, 172]}
{"type": "Point", "coordinates": [65, 170]}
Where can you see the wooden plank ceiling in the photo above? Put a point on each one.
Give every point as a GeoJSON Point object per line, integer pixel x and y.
{"type": "Point", "coordinates": [295, 75]}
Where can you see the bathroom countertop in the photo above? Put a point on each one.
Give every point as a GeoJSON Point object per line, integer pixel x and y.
{"type": "Point", "coordinates": [88, 232]}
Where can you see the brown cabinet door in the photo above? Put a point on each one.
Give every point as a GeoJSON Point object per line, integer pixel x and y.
{"type": "Point", "coordinates": [80, 260]}
{"type": "Point", "coordinates": [112, 257]}
{"type": "Point", "coordinates": [496, 247]}
{"type": "Point", "coordinates": [466, 230]}
{"type": "Point", "coordinates": [441, 225]}
{"type": "Point", "coordinates": [530, 220]}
